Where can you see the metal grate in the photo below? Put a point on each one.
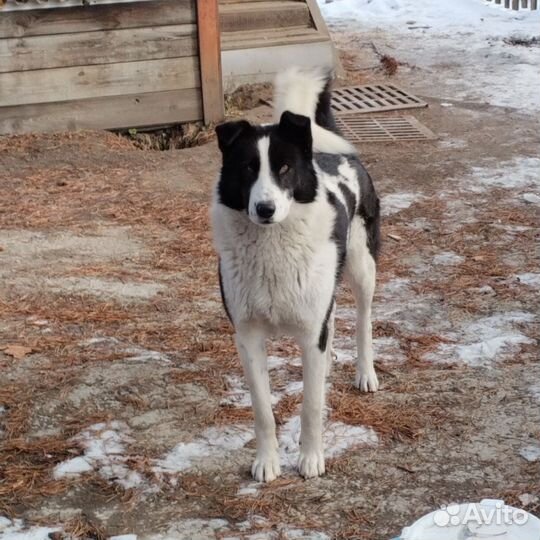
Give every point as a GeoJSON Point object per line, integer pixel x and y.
{"type": "Point", "coordinates": [359, 129]}
{"type": "Point", "coordinates": [372, 98]}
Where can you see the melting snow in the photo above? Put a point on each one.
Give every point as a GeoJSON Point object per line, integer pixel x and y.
{"type": "Point", "coordinates": [520, 172]}
{"type": "Point", "coordinates": [531, 198]}
{"type": "Point", "coordinates": [215, 441]}
{"type": "Point", "coordinates": [188, 529]}
{"type": "Point", "coordinates": [15, 530]}
{"type": "Point", "coordinates": [530, 453]}
{"type": "Point", "coordinates": [250, 489]}
{"type": "Point", "coordinates": [535, 391]}
{"type": "Point", "coordinates": [531, 279]}
{"type": "Point", "coordinates": [483, 341]}
{"type": "Point", "coordinates": [137, 354]}
{"type": "Point", "coordinates": [385, 349]}
{"type": "Point", "coordinates": [104, 445]}
{"type": "Point", "coordinates": [440, 16]}
{"type": "Point", "coordinates": [447, 258]}
{"type": "Point", "coordinates": [239, 394]}
{"type": "Point", "coordinates": [337, 438]}
{"type": "Point", "coordinates": [395, 202]}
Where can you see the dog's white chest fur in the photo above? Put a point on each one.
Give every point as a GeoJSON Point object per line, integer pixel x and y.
{"type": "Point", "coordinates": [276, 274]}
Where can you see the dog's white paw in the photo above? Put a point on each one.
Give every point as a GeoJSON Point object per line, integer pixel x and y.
{"type": "Point", "coordinates": [311, 464]}
{"type": "Point", "coordinates": [266, 467]}
{"type": "Point", "coordinates": [366, 381]}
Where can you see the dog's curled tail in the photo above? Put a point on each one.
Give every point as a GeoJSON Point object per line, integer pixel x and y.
{"type": "Point", "coordinates": [307, 92]}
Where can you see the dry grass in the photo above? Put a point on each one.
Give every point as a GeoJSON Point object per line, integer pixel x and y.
{"type": "Point", "coordinates": [406, 421]}
{"type": "Point", "coordinates": [389, 64]}
{"type": "Point", "coordinates": [171, 138]}
{"type": "Point", "coordinates": [26, 471]}
{"type": "Point", "coordinates": [84, 528]}
{"type": "Point", "coordinates": [245, 97]}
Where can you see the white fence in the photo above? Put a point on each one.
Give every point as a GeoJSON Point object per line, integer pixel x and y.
{"type": "Point", "coordinates": [517, 4]}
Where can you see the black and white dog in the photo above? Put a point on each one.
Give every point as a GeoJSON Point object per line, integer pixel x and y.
{"type": "Point", "coordinates": [293, 210]}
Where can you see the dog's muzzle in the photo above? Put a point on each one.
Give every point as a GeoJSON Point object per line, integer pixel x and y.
{"type": "Point", "coordinates": [265, 210]}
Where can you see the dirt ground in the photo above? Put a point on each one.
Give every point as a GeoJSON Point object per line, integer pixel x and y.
{"type": "Point", "coordinates": [122, 409]}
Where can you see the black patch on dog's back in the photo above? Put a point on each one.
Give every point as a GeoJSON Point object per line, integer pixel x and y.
{"type": "Point", "coordinates": [340, 231]}
{"type": "Point", "coordinates": [350, 199]}
{"type": "Point", "coordinates": [369, 206]}
{"type": "Point", "coordinates": [328, 163]}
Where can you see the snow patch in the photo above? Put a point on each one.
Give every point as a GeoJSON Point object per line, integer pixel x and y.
{"type": "Point", "coordinates": [134, 353]}
{"type": "Point", "coordinates": [337, 438]}
{"type": "Point", "coordinates": [214, 441]}
{"type": "Point", "coordinates": [531, 198]}
{"type": "Point", "coordinates": [395, 202]}
{"type": "Point", "coordinates": [529, 278]}
{"type": "Point", "coordinates": [15, 530]}
{"type": "Point", "coordinates": [531, 453]}
{"type": "Point", "coordinates": [535, 392]}
{"type": "Point", "coordinates": [250, 489]}
{"type": "Point", "coordinates": [447, 258]}
{"type": "Point", "coordinates": [386, 350]}
{"type": "Point", "coordinates": [104, 446]}
{"type": "Point", "coordinates": [481, 342]}
{"type": "Point", "coordinates": [239, 395]}
{"type": "Point", "coordinates": [434, 16]}
{"type": "Point", "coordinates": [303, 534]}
{"type": "Point", "coordinates": [238, 392]}
{"type": "Point", "coordinates": [189, 529]}
{"type": "Point", "coordinates": [521, 172]}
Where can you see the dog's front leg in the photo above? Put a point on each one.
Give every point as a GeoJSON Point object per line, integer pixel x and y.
{"type": "Point", "coordinates": [314, 361]}
{"type": "Point", "coordinates": [251, 348]}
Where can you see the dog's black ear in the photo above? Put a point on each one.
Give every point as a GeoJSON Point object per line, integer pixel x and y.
{"type": "Point", "coordinates": [296, 129]}
{"type": "Point", "coordinates": [228, 132]}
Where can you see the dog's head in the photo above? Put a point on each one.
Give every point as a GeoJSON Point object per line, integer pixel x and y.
{"type": "Point", "coordinates": [266, 168]}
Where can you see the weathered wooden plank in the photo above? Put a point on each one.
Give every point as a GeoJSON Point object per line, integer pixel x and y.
{"type": "Point", "coordinates": [118, 112]}
{"type": "Point", "coordinates": [260, 64]}
{"type": "Point", "coordinates": [284, 36]}
{"type": "Point", "coordinates": [262, 15]}
{"type": "Point", "coordinates": [90, 48]}
{"type": "Point", "coordinates": [317, 17]}
{"type": "Point", "coordinates": [210, 60]}
{"type": "Point", "coordinates": [97, 17]}
{"type": "Point", "coordinates": [65, 84]}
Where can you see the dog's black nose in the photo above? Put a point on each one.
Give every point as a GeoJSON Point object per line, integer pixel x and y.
{"type": "Point", "coordinates": [265, 210]}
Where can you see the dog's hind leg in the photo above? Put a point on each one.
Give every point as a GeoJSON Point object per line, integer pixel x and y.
{"type": "Point", "coordinates": [360, 272]}
{"type": "Point", "coordinates": [250, 342]}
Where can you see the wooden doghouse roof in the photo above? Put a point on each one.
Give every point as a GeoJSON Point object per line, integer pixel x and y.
{"type": "Point", "coordinates": [14, 5]}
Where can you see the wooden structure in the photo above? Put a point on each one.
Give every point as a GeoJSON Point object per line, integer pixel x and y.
{"type": "Point", "coordinates": [117, 64]}
{"type": "Point", "coordinates": [517, 4]}
{"type": "Point", "coordinates": [109, 65]}
{"type": "Point", "coordinates": [260, 37]}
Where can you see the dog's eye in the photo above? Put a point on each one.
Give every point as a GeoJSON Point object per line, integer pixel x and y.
{"type": "Point", "coordinates": [251, 167]}
{"type": "Point", "coordinates": [284, 170]}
